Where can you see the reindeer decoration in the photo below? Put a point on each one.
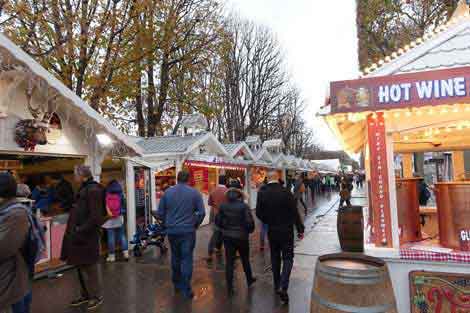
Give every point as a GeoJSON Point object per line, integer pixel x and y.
{"type": "Point", "coordinates": [32, 132]}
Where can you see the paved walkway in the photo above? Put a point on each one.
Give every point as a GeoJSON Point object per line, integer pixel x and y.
{"type": "Point", "coordinates": [144, 285]}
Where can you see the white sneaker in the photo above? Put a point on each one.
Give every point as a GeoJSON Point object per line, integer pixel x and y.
{"type": "Point", "coordinates": [125, 254]}
{"type": "Point", "coordinates": [111, 258]}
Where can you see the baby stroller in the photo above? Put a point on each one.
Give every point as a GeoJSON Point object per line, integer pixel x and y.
{"type": "Point", "coordinates": [152, 235]}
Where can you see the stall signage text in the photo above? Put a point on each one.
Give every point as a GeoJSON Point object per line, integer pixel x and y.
{"type": "Point", "coordinates": [439, 87]}
{"type": "Point", "coordinates": [380, 201]}
{"type": "Point", "coordinates": [465, 239]}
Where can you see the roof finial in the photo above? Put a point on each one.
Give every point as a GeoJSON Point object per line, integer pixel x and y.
{"type": "Point", "coordinates": [462, 9]}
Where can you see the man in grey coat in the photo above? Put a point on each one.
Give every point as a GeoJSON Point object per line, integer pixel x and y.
{"type": "Point", "coordinates": [15, 279]}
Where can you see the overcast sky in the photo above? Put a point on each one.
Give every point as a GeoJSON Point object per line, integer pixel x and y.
{"type": "Point", "coordinates": [320, 42]}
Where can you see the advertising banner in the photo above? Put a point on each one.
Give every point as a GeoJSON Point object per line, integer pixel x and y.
{"type": "Point", "coordinates": [379, 188]}
{"type": "Point", "coordinates": [440, 87]}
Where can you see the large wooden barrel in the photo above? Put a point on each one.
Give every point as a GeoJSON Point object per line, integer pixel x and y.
{"type": "Point", "coordinates": [453, 210]}
{"type": "Point", "coordinates": [408, 209]}
{"type": "Point", "coordinates": [350, 229]}
{"type": "Point", "coordinates": [352, 283]}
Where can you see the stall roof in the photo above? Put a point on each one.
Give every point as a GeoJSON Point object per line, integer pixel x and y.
{"type": "Point", "coordinates": [273, 143]}
{"type": "Point", "coordinates": [264, 155]}
{"type": "Point", "coordinates": [445, 48]}
{"type": "Point", "coordinates": [253, 139]}
{"type": "Point", "coordinates": [234, 148]}
{"type": "Point", "coordinates": [331, 165]}
{"type": "Point", "coordinates": [179, 145]}
{"type": "Point", "coordinates": [64, 91]}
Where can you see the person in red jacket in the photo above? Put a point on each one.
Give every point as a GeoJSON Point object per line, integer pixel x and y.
{"type": "Point", "coordinates": [216, 198]}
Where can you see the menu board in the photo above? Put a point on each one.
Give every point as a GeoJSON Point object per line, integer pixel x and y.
{"type": "Point", "coordinates": [199, 178]}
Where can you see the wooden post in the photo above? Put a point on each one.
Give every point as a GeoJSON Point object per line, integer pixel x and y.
{"type": "Point", "coordinates": [407, 159]}
{"type": "Point", "coordinates": [392, 192]}
{"type": "Point", "coordinates": [458, 165]}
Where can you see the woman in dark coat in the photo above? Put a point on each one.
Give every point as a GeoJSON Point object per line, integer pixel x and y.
{"type": "Point", "coordinates": [80, 246]}
{"type": "Point", "coordinates": [236, 223]}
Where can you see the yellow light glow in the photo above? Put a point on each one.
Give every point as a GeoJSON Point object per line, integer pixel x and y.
{"type": "Point", "coordinates": [444, 111]}
{"type": "Point", "coordinates": [431, 112]}
{"type": "Point", "coordinates": [407, 47]}
{"type": "Point", "coordinates": [419, 113]}
{"type": "Point", "coordinates": [406, 138]}
{"type": "Point", "coordinates": [394, 55]}
{"type": "Point", "coordinates": [448, 130]}
{"type": "Point", "coordinates": [455, 110]}
{"type": "Point", "coordinates": [388, 59]}
{"type": "Point", "coordinates": [401, 51]}
{"type": "Point", "coordinates": [408, 113]}
{"type": "Point", "coordinates": [396, 114]}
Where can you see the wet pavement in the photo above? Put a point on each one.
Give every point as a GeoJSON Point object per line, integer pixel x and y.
{"type": "Point", "coordinates": [143, 285]}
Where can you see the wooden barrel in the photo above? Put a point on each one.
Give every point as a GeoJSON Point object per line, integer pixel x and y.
{"type": "Point", "coordinates": [352, 283]}
{"type": "Point", "coordinates": [409, 221]}
{"type": "Point", "coordinates": [453, 209]}
{"type": "Point", "coordinates": [350, 229]}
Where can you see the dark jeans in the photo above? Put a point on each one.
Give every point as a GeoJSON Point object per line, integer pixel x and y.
{"type": "Point", "coordinates": [182, 249]}
{"type": "Point", "coordinates": [24, 305]}
{"type": "Point", "coordinates": [231, 247]}
{"type": "Point", "coordinates": [90, 280]}
{"type": "Point", "coordinates": [215, 242]}
{"type": "Point", "coordinates": [119, 234]}
{"type": "Point", "coordinates": [262, 234]}
{"type": "Point", "coordinates": [282, 251]}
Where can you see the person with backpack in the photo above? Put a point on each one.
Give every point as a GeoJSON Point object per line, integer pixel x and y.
{"type": "Point", "coordinates": [236, 223]}
{"type": "Point", "coordinates": [80, 246]}
{"type": "Point", "coordinates": [21, 244]}
{"type": "Point", "coordinates": [115, 225]}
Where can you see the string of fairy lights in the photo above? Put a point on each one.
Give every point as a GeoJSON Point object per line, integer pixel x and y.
{"type": "Point", "coordinates": [427, 36]}
{"type": "Point", "coordinates": [430, 133]}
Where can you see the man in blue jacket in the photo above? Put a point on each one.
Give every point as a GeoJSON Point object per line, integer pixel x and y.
{"type": "Point", "coordinates": [182, 211]}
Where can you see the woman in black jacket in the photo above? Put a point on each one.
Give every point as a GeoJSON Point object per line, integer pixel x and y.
{"type": "Point", "coordinates": [236, 222]}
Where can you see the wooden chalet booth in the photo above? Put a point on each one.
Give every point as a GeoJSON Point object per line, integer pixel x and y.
{"type": "Point", "coordinates": [417, 101]}
{"type": "Point", "coordinates": [45, 130]}
{"type": "Point", "coordinates": [163, 157]}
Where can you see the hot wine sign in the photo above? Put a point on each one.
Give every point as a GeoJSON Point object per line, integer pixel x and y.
{"type": "Point", "coordinates": [441, 87]}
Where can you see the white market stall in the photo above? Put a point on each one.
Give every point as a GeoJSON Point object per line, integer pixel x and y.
{"type": "Point", "coordinates": [417, 101]}
{"type": "Point", "coordinates": [45, 129]}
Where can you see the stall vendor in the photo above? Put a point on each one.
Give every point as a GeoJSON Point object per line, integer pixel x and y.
{"type": "Point", "coordinates": [62, 192]}
{"type": "Point", "coordinates": [42, 195]}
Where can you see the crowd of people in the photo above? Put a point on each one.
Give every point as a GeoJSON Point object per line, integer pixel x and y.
{"type": "Point", "coordinates": [93, 208]}
{"type": "Point", "coordinates": [181, 209]}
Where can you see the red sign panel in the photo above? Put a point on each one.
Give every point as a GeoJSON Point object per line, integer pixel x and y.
{"type": "Point", "coordinates": [439, 87]}
{"type": "Point", "coordinates": [379, 195]}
